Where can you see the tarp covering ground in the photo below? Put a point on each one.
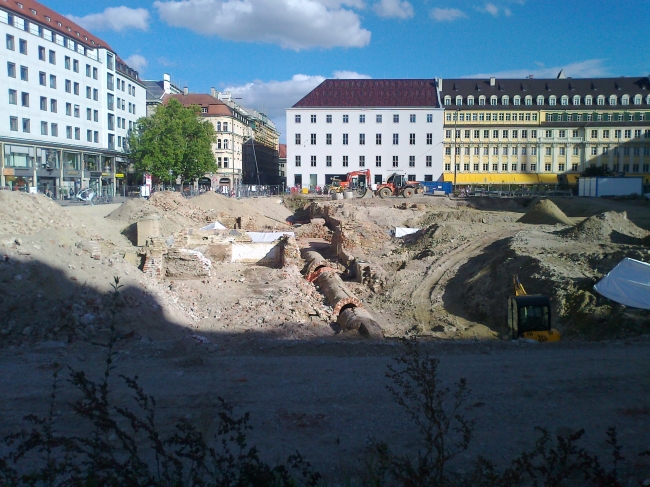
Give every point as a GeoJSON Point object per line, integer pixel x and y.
{"type": "Point", "coordinates": [628, 283]}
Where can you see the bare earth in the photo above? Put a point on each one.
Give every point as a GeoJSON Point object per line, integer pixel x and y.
{"type": "Point", "coordinates": [263, 338]}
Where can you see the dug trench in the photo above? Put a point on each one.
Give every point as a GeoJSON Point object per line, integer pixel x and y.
{"type": "Point", "coordinates": [263, 338]}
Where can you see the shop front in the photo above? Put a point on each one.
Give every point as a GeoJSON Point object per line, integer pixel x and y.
{"type": "Point", "coordinates": [71, 162]}
{"type": "Point", "coordinates": [48, 172]}
{"type": "Point", "coordinates": [18, 168]}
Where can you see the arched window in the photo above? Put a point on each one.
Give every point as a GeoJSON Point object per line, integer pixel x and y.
{"type": "Point", "coordinates": [601, 99]}
{"type": "Point", "coordinates": [481, 100]}
{"type": "Point", "coordinates": [551, 100]}
{"type": "Point", "coordinates": [218, 126]}
{"type": "Point", "coordinates": [612, 100]}
{"type": "Point", "coordinates": [470, 100]}
{"type": "Point", "coordinates": [459, 100]}
{"type": "Point", "coordinates": [516, 100]}
{"type": "Point", "coordinates": [505, 100]}
{"type": "Point", "coordinates": [637, 99]}
{"type": "Point", "coordinates": [447, 100]}
{"type": "Point", "coordinates": [625, 100]}
{"type": "Point", "coordinates": [564, 100]}
{"type": "Point", "coordinates": [540, 100]}
{"type": "Point", "coordinates": [528, 100]}
{"type": "Point", "coordinates": [493, 100]}
{"type": "Point", "coordinates": [647, 100]}
{"type": "Point", "coordinates": [576, 100]}
{"type": "Point", "coordinates": [588, 100]}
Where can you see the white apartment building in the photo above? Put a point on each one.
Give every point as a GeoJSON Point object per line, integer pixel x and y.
{"type": "Point", "coordinates": [68, 105]}
{"type": "Point", "coordinates": [385, 126]}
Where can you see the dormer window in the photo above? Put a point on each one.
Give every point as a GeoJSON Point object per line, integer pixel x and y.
{"type": "Point", "coordinates": [516, 100]}
{"type": "Point", "coordinates": [481, 100]}
{"type": "Point", "coordinates": [637, 100]}
{"type": "Point", "coordinates": [612, 100]}
{"type": "Point", "coordinates": [564, 100]}
{"type": "Point", "coordinates": [528, 100]}
{"type": "Point", "coordinates": [551, 100]}
{"type": "Point", "coordinates": [33, 11]}
{"type": "Point", "coordinates": [625, 100]}
{"type": "Point", "coordinates": [59, 24]}
{"type": "Point", "coordinates": [20, 5]}
{"type": "Point", "coordinates": [459, 100]}
{"type": "Point", "coordinates": [540, 100]}
{"type": "Point", "coordinates": [505, 100]}
{"type": "Point", "coordinates": [493, 100]}
{"type": "Point", "coordinates": [588, 100]}
{"type": "Point", "coordinates": [48, 19]}
{"type": "Point", "coordinates": [447, 100]}
{"type": "Point", "coordinates": [470, 100]}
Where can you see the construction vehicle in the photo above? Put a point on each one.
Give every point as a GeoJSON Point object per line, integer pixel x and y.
{"type": "Point", "coordinates": [398, 185]}
{"type": "Point", "coordinates": [357, 181]}
{"type": "Point", "coordinates": [529, 315]}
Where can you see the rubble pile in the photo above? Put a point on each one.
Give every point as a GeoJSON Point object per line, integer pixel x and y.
{"type": "Point", "coordinates": [609, 227]}
{"type": "Point", "coordinates": [545, 212]}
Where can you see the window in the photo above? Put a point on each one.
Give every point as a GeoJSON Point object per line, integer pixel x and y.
{"type": "Point", "coordinates": [513, 167]}
{"type": "Point", "coordinates": [328, 139]}
{"type": "Point", "coordinates": [76, 111]}
{"type": "Point", "coordinates": [88, 70]}
{"type": "Point", "coordinates": [95, 94]}
{"type": "Point", "coordinates": [466, 151]}
{"type": "Point", "coordinates": [552, 100]}
{"type": "Point", "coordinates": [66, 62]}
{"type": "Point", "coordinates": [505, 100]}
{"type": "Point", "coordinates": [345, 161]}
{"type": "Point", "coordinates": [345, 139]}
{"type": "Point", "coordinates": [362, 139]}
{"type": "Point", "coordinates": [76, 88]}
{"type": "Point", "coordinates": [548, 151]}
{"type": "Point", "coordinates": [13, 97]}
{"type": "Point", "coordinates": [504, 167]}
{"type": "Point", "coordinates": [378, 139]}
{"type": "Point", "coordinates": [562, 151]}
{"type": "Point", "coordinates": [429, 117]}
{"type": "Point", "coordinates": [447, 100]}
{"type": "Point", "coordinates": [313, 117]}
{"type": "Point", "coordinates": [89, 114]}
{"type": "Point", "coordinates": [297, 161]}
{"type": "Point", "coordinates": [533, 134]}
{"type": "Point", "coordinates": [313, 139]}
{"type": "Point", "coordinates": [22, 46]}
{"type": "Point", "coordinates": [505, 151]}
{"type": "Point", "coordinates": [11, 45]}
{"type": "Point", "coordinates": [89, 93]}
{"type": "Point", "coordinates": [628, 134]}
{"type": "Point", "coordinates": [562, 134]}
{"type": "Point", "coordinates": [594, 151]}
{"type": "Point", "coordinates": [95, 73]}
{"type": "Point", "coordinates": [24, 73]}
{"type": "Point", "coordinates": [24, 99]}
{"type": "Point", "coordinates": [467, 134]}
{"type": "Point", "coordinates": [346, 118]}
{"type": "Point", "coordinates": [13, 124]}
{"type": "Point", "coordinates": [493, 100]}
{"type": "Point", "coordinates": [605, 134]}
{"type": "Point", "coordinates": [362, 161]}
{"type": "Point", "coordinates": [396, 118]}
{"type": "Point", "coordinates": [328, 161]}
{"type": "Point", "coordinates": [564, 100]}
{"type": "Point", "coordinates": [68, 109]}
{"type": "Point", "coordinates": [429, 139]}
{"type": "Point", "coordinates": [313, 161]}
{"type": "Point", "coordinates": [297, 139]}
{"type": "Point", "coordinates": [111, 126]}
{"type": "Point", "coordinates": [96, 116]}
{"type": "Point", "coordinates": [110, 82]}
{"type": "Point", "coordinates": [505, 134]}
{"type": "Point", "coordinates": [362, 119]}
{"type": "Point", "coordinates": [495, 134]}
{"type": "Point", "coordinates": [395, 161]}
{"type": "Point", "coordinates": [43, 104]}
{"type": "Point", "coordinates": [637, 134]}
{"type": "Point", "coordinates": [68, 86]}
{"type": "Point", "coordinates": [617, 134]}
{"type": "Point", "coordinates": [328, 119]}
{"type": "Point", "coordinates": [533, 167]}
{"type": "Point", "coordinates": [523, 152]}
{"type": "Point", "coordinates": [26, 125]}
{"type": "Point", "coordinates": [412, 118]}
{"type": "Point", "coordinates": [612, 100]}
{"type": "Point", "coordinates": [378, 118]}
{"type": "Point", "coordinates": [75, 66]}
{"type": "Point", "coordinates": [395, 139]}
{"type": "Point", "coordinates": [89, 135]}
{"type": "Point", "coordinates": [495, 151]}
{"type": "Point", "coordinates": [576, 151]}
{"type": "Point", "coordinates": [378, 161]}
{"type": "Point", "coordinates": [411, 161]}
{"type": "Point", "coordinates": [411, 139]}
{"type": "Point", "coordinates": [486, 151]}
{"type": "Point", "coordinates": [447, 151]}
{"type": "Point", "coordinates": [68, 132]}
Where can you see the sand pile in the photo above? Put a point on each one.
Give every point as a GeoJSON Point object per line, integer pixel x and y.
{"type": "Point", "coordinates": [608, 227]}
{"type": "Point", "coordinates": [263, 212]}
{"type": "Point", "coordinates": [545, 212]}
{"type": "Point", "coordinates": [26, 214]}
{"type": "Point", "coordinates": [466, 215]}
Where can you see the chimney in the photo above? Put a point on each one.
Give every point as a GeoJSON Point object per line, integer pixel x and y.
{"type": "Point", "coordinates": [167, 83]}
{"type": "Point", "coordinates": [531, 76]}
{"type": "Point", "coordinates": [213, 92]}
{"type": "Point", "coordinates": [493, 81]}
{"type": "Point", "coordinates": [186, 91]}
{"type": "Point", "coordinates": [439, 84]}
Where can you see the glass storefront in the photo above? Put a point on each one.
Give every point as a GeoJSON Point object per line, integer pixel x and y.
{"type": "Point", "coordinates": [19, 157]}
{"type": "Point", "coordinates": [48, 158]}
{"type": "Point", "coordinates": [19, 183]}
{"type": "Point", "coordinates": [72, 161]}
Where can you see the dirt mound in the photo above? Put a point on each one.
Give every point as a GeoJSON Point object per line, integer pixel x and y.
{"type": "Point", "coordinates": [131, 210]}
{"type": "Point", "coordinates": [545, 212]}
{"type": "Point", "coordinates": [607, 227]}
{"type": "Point", "coordinates": [466, 215]}
{"type": "Point", "coordinates": [262, 212]}
{"type": "Point", "coordinates": [26, 214]}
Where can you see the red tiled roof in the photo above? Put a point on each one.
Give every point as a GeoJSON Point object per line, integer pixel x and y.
{"type": "Point", "coordinates": [76, 32]}
{"type": "Point", "coordinates": [214, 106]}
{"type": "Point", "coordinates": [372, 93]}
{"type": "Point", "coordinates": [283, 151]}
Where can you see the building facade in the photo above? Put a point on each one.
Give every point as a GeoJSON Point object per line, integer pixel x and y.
{"type": "Point", "coordinates": [385, 126]}
{"type": "Point", "coordinates": [156, 90]}
{"type": "Point", "coordinates": [69, 104]}
{"type": "Point", "coordinates": [532, 131]}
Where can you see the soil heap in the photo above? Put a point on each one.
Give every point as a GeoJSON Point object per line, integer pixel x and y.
{"type": "Point", "coordinates": [26, 214]}
{"type": "Point", "coordinates": [545, 212]}
{"type": "Point", "coordinates": [607, 227]}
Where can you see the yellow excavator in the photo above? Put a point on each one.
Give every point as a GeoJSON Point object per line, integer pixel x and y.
{"type": "Point", "coordinates": [529, 315]}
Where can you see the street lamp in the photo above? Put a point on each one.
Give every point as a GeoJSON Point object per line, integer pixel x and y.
{"type": "Point", "coordinates": [455, 133]}
{"type": "Point", "coordinates": [170, 176]}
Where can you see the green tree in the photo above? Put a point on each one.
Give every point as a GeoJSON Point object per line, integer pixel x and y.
{"type": "Point", "coordinates": [595, 171]}
{"type": "Point", "coordinates": [174, 142]}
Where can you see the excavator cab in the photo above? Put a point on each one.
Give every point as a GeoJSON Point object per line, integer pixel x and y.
{"type": "Point", "coordinates": [529, 316]}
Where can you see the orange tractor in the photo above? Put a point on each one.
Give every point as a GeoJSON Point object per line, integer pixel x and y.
{"type": "Point", "coordinates": [358, 181]}
{"type": "Point", "coordinates": [398, 185]}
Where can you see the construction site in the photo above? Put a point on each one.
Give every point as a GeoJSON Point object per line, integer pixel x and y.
{"type": "Point", "coordinates": [292, 306]}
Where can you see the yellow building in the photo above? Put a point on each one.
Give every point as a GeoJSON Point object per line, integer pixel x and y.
{"type": "Point", "coordinates": [544, 131]}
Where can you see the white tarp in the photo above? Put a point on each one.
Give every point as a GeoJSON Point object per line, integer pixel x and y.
{"type": "Point", "coordinates": [268, 236]}
{"type": "Point", "coordinates": [628, 283]}
{"type": "Point", "coordinates": [214, 226]}
{"type": "Point", "coordinates": [400, 232]}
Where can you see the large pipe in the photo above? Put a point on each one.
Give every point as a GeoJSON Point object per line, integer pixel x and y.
{"type": "Point", "coordinates": [347, 308]}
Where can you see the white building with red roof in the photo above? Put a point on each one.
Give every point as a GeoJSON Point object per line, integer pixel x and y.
{"type": "Point", "coordinates": [385, 125]}
{"type": "Point", "coordinates": [69, 105]}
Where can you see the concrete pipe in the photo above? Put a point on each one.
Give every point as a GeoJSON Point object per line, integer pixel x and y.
{"type": "Point", "coordinates": [360, 320]}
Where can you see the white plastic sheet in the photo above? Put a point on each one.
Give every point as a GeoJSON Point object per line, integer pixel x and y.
{"type": "Point", "coordinates": [628, 283]}
{"type": "Point", "coordinates": [400, 232]}
{"type": "Point", "coordinates": [268, 236]}
{"type": "Point", "coordinates": [214, 226]}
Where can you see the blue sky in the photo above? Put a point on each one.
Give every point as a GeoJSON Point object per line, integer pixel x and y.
{"type": "Point", "coordinates": [270, 53]}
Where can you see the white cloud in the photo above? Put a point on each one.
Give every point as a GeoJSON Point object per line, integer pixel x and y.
{"type": "Point", "coordinates": [491, 9]}
{"type": "Point", "coordinates": [400, 9]}
{"type": "Point", "coordinates": [136, 61]}
{"type": "Point", "coordinates": [274, 97]}
{"type": "Point", "coordinates": [114, 18]}
{"type": "Point", "coordinates": [447, 14]}
{"type": "Point", "coordinates": [591, 68]}
{"type": "Point", "coordinates": [293, 24]}
{"type": "Point", "coordinates": [507, 12]}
